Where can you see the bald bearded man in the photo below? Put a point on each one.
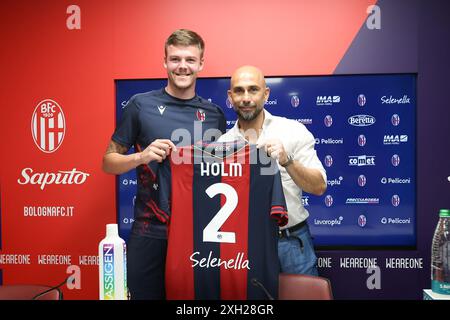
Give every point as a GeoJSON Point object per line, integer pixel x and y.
{"type": "Point", "coordinates": [292, 145]}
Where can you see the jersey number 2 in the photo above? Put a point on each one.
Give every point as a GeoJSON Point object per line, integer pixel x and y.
{"type": "Point", "coordinates": [211, 232]}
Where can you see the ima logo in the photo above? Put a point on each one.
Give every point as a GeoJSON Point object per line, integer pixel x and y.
{"type": "Point", "coordinates": [48, 126]}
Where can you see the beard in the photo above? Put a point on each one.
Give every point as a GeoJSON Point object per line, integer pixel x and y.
{"type": "Point", "coordinates": [248, 116]}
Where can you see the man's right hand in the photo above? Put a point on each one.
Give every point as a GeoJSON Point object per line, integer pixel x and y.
{"type": "Point", "coordinates": [158, 150]}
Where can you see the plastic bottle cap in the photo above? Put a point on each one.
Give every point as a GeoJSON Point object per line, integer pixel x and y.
{"type": "Point", "coordinates": [112, 230]}
{"type": "Point", "coordinates": [444, 213]}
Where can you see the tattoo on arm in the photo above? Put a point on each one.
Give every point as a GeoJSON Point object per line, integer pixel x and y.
{"type": "Point", "coordinates": [114, 147]}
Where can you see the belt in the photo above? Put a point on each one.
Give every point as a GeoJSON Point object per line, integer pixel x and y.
{"type": "Point", "coordinates": [285, 233]}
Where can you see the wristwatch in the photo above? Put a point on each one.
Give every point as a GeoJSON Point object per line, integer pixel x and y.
{"type": "Point", "coordinates": [290, 159]}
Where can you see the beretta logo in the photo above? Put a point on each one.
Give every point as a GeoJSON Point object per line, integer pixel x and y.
{"type": "Point", "coordinates": [48, 126]}
{"type": "Point", "coordinates": [361, 120]}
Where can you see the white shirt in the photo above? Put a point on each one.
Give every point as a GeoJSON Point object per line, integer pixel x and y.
{"type": "Point", "coordinates": [297, 141]}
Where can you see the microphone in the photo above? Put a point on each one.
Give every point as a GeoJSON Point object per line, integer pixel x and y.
{"type": "Point", "coordinates": [51, 289]}
{"type": "Point", "coordinates": [258, 284]}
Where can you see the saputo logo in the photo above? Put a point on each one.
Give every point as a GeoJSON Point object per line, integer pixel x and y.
{"type": "Point", "coordinates": [46, 178]}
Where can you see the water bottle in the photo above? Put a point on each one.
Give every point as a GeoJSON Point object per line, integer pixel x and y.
{"type": "Point", "coordinates": [440, 257]}
{"type": "Point", "coordinates": [112, 265]}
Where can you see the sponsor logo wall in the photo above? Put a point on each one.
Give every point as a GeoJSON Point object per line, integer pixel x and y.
{"type": "Point", "coordinates": [363, 125]}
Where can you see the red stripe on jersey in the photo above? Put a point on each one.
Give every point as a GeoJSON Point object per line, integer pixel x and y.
{"type": "Point", "coordinates": [233, 282]}
{"type": "Point", "coordinates": [180, 283]}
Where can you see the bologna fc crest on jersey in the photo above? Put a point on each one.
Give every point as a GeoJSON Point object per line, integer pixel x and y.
{"type": "Point", "coordinates": [48, 126]}
{"type": "Point", "coordinates": [201, 115]}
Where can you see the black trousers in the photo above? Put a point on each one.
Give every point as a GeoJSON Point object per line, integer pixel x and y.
{"type": "Point", "coordinates": [146, 260]}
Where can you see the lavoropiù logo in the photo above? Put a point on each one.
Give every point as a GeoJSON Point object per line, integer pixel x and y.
{"type": "Point", "coordinates": [45, 178]}
{"type": "Point", "coordinates": [48, 126]}
{"type": "Point", "coordinates": [335, 182]}
{"type": "Point", "coordinates": [361, 120]}
{"type": "Point", "coordinates": [328, 222]}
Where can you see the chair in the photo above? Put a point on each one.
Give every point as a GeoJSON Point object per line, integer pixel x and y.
{"type": "Point", "coordinates": [304, 287]}
{"type": "Point", "coordinates": [29, 292]}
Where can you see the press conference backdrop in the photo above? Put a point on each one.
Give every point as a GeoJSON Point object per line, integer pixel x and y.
{"type": "Point", "coordinates": [365, 130]}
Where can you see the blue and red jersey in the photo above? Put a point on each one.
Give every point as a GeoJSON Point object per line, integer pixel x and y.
{"type": "Point", "coordinates": [225, 202]}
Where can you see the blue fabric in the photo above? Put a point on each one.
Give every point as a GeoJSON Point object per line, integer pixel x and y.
{"type": "Point", "coordinates": [296, 253]}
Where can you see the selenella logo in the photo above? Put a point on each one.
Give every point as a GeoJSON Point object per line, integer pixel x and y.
{"type": "Point", "coordinates": [48, 126]}
{"type": "Point", "coordinates": [361, 120]}
{"type": "Point", "coordinates": [391, 100]}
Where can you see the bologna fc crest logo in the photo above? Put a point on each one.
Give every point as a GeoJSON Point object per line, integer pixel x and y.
{"type": "Point", "coordinates": [395, 200]}
{"type": "Point", "coordinates": [328, 121]}
{"type": "Point", "coordinates": [48, 126]}
{"type": "Point", "coordinates": [228, 103]}
{"type": "Point", "coordinates": [362, 180]}
{"type": "Point", "coordinates": [361, 100]}
{"type": "Point", "coordinates": [328, 201]}
{"type": "Point", "coordinates": [395, 120]}
{"type": "Point", "coordinates": [362, 220]}
{"type": "Point", "coordinates": [201, 115]}
{"type": "Point", "coordinates": [362, 140]}
{"type": "Point", "coordinates": [395, 160]}
{"type": "Point", "coordinates": [328, 160]}
{"type": "Point", "coordinates": [295, 101]}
